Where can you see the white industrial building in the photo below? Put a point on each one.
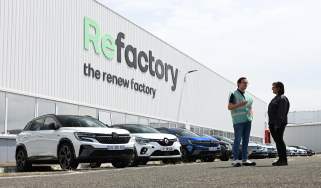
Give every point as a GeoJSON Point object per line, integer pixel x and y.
{"type": "Point", "coordinates": [80, 57]}
{"type": "Point", "coordinates": [306, 134]}
{"type": "Point", "coordinates": [299, 117]}
{"type": "Point", "coordinates": [304, 129]}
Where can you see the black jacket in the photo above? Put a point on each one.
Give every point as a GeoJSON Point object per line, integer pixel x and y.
{"type": "Point", "coordinates": [278, 111]}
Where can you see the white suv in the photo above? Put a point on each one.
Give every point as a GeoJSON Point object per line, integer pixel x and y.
{"type": "Point", "coordinates": [70, 140]}
{"type": "Point", "coordinates": [150, 144]}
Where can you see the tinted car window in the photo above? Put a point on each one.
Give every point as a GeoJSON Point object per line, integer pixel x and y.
{"type": "Point", "coordinates": [184, 132]}
{"type": "Point", "coordinates": [224, 139]}
{"type": "Point", "coordinates": [48, 121]}
{"type": "Point", "coordinates": [164, 131]}
{"type": "Point", "coordinates": [35, 125]}
{"type": "Point", "coordinates": [79, 121]}
{"type": "Point", "coordinates": [133, 128]}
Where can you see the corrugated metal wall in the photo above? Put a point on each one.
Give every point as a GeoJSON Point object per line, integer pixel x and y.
{"type": "Point", "coordinates": [304, 135]}
{"type": "Point", "coordinates": [299, 117]}
{"type": "Point", "coordinates": [42, 54]}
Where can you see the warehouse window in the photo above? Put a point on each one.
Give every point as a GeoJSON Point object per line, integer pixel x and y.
{"type": "Point", "coordinates": [164, 123]}
{"type": "Point", "coordinates": [86, 111]}
{"type": "Point", "coordinates": [2, 112]}
{"type": "Point", "coordinates": [143, 121]}
{"type": "Point", "coordinates": [118, 118]}
{"type": "Point", "coordinates": [21, 110]}
{"type": "Point", "coordinates": [154, 123]}
{"type": "Point", "coordinates": [131, 119]}
{"type": "Point", "coordinates": [181, 125]}
{"type": "Point", "coordinates": [104, 116]}
{"type": "Point", "coordinates": [66, 109]}
{"type": "Point", "coordinates": [172, 125]}
{"type": "Point", "coordinates": [46, 107]}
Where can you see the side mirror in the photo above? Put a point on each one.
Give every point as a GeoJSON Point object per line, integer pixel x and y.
{"type": "Point", "coordinates": [52, 126]}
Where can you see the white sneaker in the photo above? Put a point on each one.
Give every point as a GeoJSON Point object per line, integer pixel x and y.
{"type": "Point", "coordinates": [236, 163]}
{"type": "Point", "coordinates": [248, 163]}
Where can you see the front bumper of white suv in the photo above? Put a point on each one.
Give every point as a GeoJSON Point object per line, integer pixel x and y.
{"type": "Point", "coordinates": [103, 147]}
{"type": "Point", "coordinates": [157, 149]}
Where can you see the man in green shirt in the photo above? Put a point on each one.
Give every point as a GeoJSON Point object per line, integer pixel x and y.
{"type": "Point", "coordinates": [240, 105]}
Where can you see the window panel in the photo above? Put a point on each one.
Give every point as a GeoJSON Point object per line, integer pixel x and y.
{"type": "Point", "coordinates": [21, 110]}
{"type": "Point", "coordinates": [154, 123]}
{"type": "Point", "coordinates": [143, 121]}
{"type": "Point", "coordinates": [2, 112]}
{"type": "Point", "coordinates": [104, 116]}
{"type": "Point", "coordinates": [181, 125]}
{"type": "Point", "coordinates": [131, 119]}
{"type": "Point", "coordinates": [67, 109]}
{"type": "Point", "coordinates": [163, 124]}
{"type": "Point", "coordinates": [86, 111]}
{"type": "Point", "coordinates": [118, 118]}
{"type": "Point", "coordinates": [46, 107]}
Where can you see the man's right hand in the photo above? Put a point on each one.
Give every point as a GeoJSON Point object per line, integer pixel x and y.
{"type": "Point", "coordinates": [243, 103]}
{"type": "Point", "coordinates": [234, 106]}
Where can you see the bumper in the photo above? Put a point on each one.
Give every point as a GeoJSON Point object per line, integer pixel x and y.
{"type": "Point", "coordinates": [202, 151]}
{"type": "Point", "coordinates": [88, 153]}
{"type": "Point", "coordinates": [154, 151]}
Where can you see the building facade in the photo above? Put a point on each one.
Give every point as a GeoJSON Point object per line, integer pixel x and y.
{"type": "Point", "coordinates": [305, 134]}
{"type": "Point", "coordinates": [80, 57]}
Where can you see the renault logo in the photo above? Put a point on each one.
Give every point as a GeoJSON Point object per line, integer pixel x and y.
{"type": "Point", "coordinates": [114, 135]}
{"type": "Point", "coordinates": [166, 141]}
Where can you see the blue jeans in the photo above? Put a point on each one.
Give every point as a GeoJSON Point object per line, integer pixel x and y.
{"type": "Point", "coordinates": [241, 132]}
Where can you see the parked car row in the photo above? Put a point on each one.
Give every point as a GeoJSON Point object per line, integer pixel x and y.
{"type": "Point", "coordinates": [299, 151]}
{"type": "Point", "coordinates": [68, 140]}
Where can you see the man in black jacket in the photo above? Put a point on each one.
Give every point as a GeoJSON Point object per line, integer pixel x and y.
{"type": "Point", "coordinates": [278, 112]}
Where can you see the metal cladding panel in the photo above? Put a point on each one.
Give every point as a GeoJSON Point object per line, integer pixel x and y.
{"type": "Point", "coordinates": [42, 54]}
{"type": "Point", "coordinates": [304, 135]}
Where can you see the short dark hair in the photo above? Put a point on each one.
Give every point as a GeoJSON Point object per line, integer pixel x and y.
{"type": "Point", "coordinates": [240, 80]}
{"type": "Point", "coordinates": [280, 87]}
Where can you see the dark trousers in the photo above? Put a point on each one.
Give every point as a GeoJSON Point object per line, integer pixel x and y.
{"type": "Point", "coordinates": [241, 132]}
{"type": "Point", "coordinates": [277, 134]}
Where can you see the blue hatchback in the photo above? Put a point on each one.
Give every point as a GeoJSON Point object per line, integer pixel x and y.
{"type": "Point", "coordinates": [195, 146]}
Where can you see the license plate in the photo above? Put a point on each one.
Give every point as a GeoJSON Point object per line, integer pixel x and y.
{"type": "Point", "coordinates": [116, 147]}
{"type": "Point", "coordinates": [212, 148]}
{"type": "Point", "coordinates": [167, 149]}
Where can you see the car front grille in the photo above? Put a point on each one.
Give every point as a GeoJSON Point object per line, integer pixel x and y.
{"type": "Point", "coordinates": [206, 143]}
{"type": "Point", "coordinates": [162, 142]}
{"type": "Point", "coordinates": [112, 138]}
{"type": "Point", "coordinates": [165, 153]}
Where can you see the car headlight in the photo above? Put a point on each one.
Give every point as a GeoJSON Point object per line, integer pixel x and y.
{"type": "Point", "coordinates": [141, 140]}
{"type": "Point", "coordinates": [189, 142]}
{"type": "Point", "coordinates": [88, 137]}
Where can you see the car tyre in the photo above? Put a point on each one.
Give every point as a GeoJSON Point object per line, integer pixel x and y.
{"type": "Point", "coordinates": [209, 159]}
{"type": "Point", "coordinates": [185, 157]}
{"type": "Point", "coordinates": [121, 163]}
{"type": "Point", "coordinates": [143, 161]}
{"type": "Point", "coordinates": [22, 163]}
{"type": "Point", "coordinates": [225, 156]}
{"type": "Point", "coordinates": [66, 157]}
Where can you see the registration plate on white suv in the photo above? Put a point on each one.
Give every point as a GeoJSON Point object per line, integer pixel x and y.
{"type": "Point", "coordinates": [115, 147]}
{"type": "Point", "coordinates": [167, 148]}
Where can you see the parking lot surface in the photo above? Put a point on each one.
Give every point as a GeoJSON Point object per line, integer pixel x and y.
{"type": "Point", "coordinates": [301, 172]}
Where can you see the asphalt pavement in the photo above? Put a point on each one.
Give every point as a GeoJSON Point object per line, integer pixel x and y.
{"type": "Point", "coordinates": [302, 172]}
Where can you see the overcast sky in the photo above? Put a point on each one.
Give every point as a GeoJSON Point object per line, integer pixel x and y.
{"type": "Point", "coordinates": [264, 40]}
